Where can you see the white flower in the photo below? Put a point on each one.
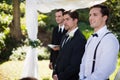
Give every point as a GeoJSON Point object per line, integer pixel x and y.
{"type": "Point", "coordinates": [71, 34]}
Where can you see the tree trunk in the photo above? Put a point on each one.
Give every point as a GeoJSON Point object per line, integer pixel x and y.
{"type": "Point", "coordinates": [15, 29]}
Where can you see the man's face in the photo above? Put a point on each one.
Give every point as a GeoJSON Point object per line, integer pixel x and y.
{"type": "Point", "coordinates": [96, 19]}
{"type": "Point", "coordinates": [69, 22]}
{"type": "Point", "coordinates": [59, 17]}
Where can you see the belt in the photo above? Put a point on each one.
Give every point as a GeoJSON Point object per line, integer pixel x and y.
{"type": "Point", "coordinates": [86, 77]}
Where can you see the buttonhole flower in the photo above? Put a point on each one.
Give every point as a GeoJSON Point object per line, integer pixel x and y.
{"type": "Point", "coordinates": [71, 35]}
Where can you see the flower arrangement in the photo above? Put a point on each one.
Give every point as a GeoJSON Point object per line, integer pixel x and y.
{"type": "Point", "coordinates": [32, 43]}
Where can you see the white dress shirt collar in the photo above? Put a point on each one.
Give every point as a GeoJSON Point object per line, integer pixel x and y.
{"type": "Point", "coordinates": [102, 31]}
{"type": "Point", "coordinates": [62, 27]}
{"type": "Point", "coordinates": [72, 32]}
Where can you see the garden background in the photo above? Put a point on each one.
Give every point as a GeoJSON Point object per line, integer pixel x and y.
{"type": "Point", "coordinates": [14, 38]}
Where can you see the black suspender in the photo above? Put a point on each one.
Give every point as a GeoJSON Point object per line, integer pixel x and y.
{"type": "Point", "coordinates": [94, 57]}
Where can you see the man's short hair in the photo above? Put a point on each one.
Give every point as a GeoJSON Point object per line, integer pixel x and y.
{"type": "Point", "coordinates": [62, 10]}
{"type": "Point", "coordinates": [28, 78]}
{"type": "Point", "coordinates": [73, 14]}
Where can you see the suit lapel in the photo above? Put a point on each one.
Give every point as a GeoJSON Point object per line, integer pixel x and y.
{"type": "Point", "coordinates": [70, 39]}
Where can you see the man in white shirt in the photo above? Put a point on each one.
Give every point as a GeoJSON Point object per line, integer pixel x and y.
{"type": "Point", "coordinates": [101, 50]}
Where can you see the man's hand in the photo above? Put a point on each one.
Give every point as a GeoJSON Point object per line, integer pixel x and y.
{"type": "Point", "coordinates": [50, 65]}
{"type": "Point", "coordinates": [55, 77]}
{"type": "Point", "coordinates": [56, 48]}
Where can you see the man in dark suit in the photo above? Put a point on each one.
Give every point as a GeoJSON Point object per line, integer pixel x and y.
{"type": "Point", "coordinates": [57, 35]}
{"type": "Point", "coordinates": [71, 49]}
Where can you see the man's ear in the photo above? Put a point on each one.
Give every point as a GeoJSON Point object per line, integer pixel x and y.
{"type": "Point", "coordinates": [76, 20]}
{"type": "Point", "coordinates": [105, 18]}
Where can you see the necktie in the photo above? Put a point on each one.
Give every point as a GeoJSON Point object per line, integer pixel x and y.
{"type": "Point", "coordinates": [60, 30]}
{"type": "Point", "coordinates": [95, 35]}
{"type": "Point", "coordinates": [65, 39]}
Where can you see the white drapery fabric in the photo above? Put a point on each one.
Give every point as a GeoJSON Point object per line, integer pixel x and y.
{"type": "Point", "coordinates": [48, 5]}
{"type": "Point", "coordinates": [30, 68]}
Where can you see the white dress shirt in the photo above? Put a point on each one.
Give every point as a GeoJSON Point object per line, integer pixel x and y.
{"type": "Point", "coordinates": [61, 27]}
{"type": "Point", "coordinates": [106, 56]}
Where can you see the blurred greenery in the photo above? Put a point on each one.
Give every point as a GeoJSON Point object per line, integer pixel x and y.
{"type": "Point", "coordinates": [114, 21]}
{"type": "Point", "coordinates": [19, 53]}
{"type": "Point", "coordinates": [114, 6]}
{"type": "Point", "coordinates": [12, 50]}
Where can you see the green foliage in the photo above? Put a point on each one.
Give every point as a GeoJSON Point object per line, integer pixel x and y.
{"type": "Point", "coordinates": [20, 53]}
{"type": "Point", "coordinates": [51, 23]}
{"type": "Point", "coordinates": [6, 51]}
{"type": "Point", "coordinates": [119, 55]}
{"type": "Point", "coordinates": [87, 33]}
{"type": "Point", "coordinates": [2, 43]}
{"type": "Point", "coordinates": [6, 1]}
{"type": "Point", "coordinates": [6, 8]}
{"type": "Point", "coordinates": [42, 18]}
{"type": "Point", "coordinates": [86, 29]}
{"type": "Point", "coordinates": [5, 16]}
{"type": "Point", "coordinates": [83, 15]}
{"type": "Point", "coordinates": [114, 23]}
{"type": "Point", "coordinates": [47, 78]}
{"type": "Point", "coordinates": [5, 20]}
{"type": "Point", "coordinates": [32, 43]}
{"type": "Point", "coordinates": [44, 55]}
{"type": "Point", "coordinates": [23, 26]}
{"type": "Point", "coordinates": [117, 34]}
{"type": "Point", "coordinates": [22, 9]}
{"type": "Point", "coordinates": [5, 40]}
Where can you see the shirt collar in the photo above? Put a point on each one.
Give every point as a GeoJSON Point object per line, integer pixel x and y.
{"type": "Point", "coordinates": [102, 31]}
{"type": "Point", "coordinates": [73, 31]}
{"type": "Point", "coordinates": [62, 27]}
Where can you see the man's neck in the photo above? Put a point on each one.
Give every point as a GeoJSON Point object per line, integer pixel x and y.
{"type": "Point", "coordinates": [98, 28]}
{"type": "Point", "coordinates": [61, 24]}
{"type": "Point", "coordinates": [72, 28]}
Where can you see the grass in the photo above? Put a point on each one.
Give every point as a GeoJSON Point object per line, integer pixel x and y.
{"type": "Point", "coordinates": [11, 70]}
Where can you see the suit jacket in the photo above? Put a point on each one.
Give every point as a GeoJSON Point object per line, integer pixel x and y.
{"type": "Point", "coordinates": [69, 59]}
{"type": "Point", "coordinates": [56, 39]}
